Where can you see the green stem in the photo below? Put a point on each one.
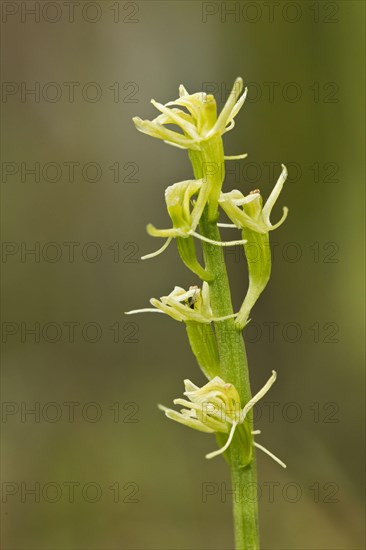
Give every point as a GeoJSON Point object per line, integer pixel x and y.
{"type": "Point", "coordinates": [232, 356]}
{"type": "Point", "coordinates": [245, 512]}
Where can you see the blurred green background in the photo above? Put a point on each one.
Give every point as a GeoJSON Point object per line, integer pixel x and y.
{"type": "Point", "coordinates": [108, 471]}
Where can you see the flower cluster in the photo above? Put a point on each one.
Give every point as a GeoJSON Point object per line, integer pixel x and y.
{"type": "Point", "coordinates": [196, 117]}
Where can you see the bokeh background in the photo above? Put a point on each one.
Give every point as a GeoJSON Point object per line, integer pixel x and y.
{"type": "Point", "coordinates": [107, 470]}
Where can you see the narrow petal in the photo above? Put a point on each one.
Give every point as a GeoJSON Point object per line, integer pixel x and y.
{"type": "Point", "coordinates": [232, 196]}
{"type": "Point", "coordinates": [236, 157]}
{"type": "Point", "coordinates": [224, 317]}
{"type": "Point", "coordinates": [160, 251]}
{"type": "Point", "coordinates": [189, 386]}
{"type": "Point", "coordinates": [238, 105]}
{"type": "Point", "coordinates": [224, 116]}
{"type": "Point", "coordinates": [182, 91]}
{"type": "Point", "coordinates": [200, 204]}
{"type": "Point", "coordinates": [259, 395]}
{"type": "Point", "coordinates": [284, 216]}
{"type": "Point", "coordinates": [159, 131]}
{"type": "Point", "coordinates": [191, 190]}
{"type": "Point", "coordinates": [229, 127]}
{"type": "Point", "coordinates": [144, 310]}
{"type": "Point", "coordinates": [167, 119]}
{"type": "Point", "coordinates": [240, 201]}
{"type": "Point", "coordinates": [192, 146]}
{"type": "Point", "coordinates": [177, 119]}
{"type": "Point", "coordinates": [193, 102]}
{"type": "Point", "coordinates": [190, 422]}
{"type": "Point", "coordinates": [167, 309]}
{"type": "Point", "coordinates": [201, 412]}
{"type": "Point", "coordinates": [267, 208]}
{"type": "Point", "coordinates": [226, 446]}
{"type": "Point", "coordinates": [185, 312]}
{"type": "Point", "coordinates": [239, 217]}
{"type": "Point", "coordinates": [217, 243]}
{"type": "Point", "coordinates": [206, 302]}
{"type": "Point", "coordinates": [275, 458]}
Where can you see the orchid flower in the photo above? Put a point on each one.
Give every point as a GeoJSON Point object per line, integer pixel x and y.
{"type": "Point", "coordinates": [178, 198]}
{"type": "Point", "coordinates": [216, 408]}
{"type": "Point", "coordinates": [185, 305]}
{"type": "Point", "coordinates": [247, 211]}
{"type": "Point", "coordinates": [201, 123]}
{"type": "Point", "coordinates": [248, 214]}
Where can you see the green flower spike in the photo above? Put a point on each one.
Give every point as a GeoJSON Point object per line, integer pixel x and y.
{"type": "Point", "coordinates": [185, 305]}
{"type": "Point", "coordinates": [178, 198]}
{"type": "Point", "coordinates": [216, 408]}
{"type": "Point", "coordinates": [223, 406]}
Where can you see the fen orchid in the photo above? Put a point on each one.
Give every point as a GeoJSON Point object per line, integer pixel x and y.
{"type": "Point", "coordinates": [224, 405]}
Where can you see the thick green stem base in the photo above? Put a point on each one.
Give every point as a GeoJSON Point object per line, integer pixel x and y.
{"type": "Point", "coordinates": [245, 506]}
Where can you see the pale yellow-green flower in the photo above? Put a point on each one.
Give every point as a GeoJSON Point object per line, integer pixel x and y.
{"type": "Point", "coordinates": [179, 200]}
{"type": "Point", "coordinates": [185, 305]}
{"type": "Point", "coordinates": [199, 124]}
{"type": "Point", "coordinates": [248, 211]}
{"type": "Point", "coordinates": [216, 408]}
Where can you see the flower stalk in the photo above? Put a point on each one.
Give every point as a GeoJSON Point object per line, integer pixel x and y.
{"type": "Point", "coordinates": [223, 406]}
